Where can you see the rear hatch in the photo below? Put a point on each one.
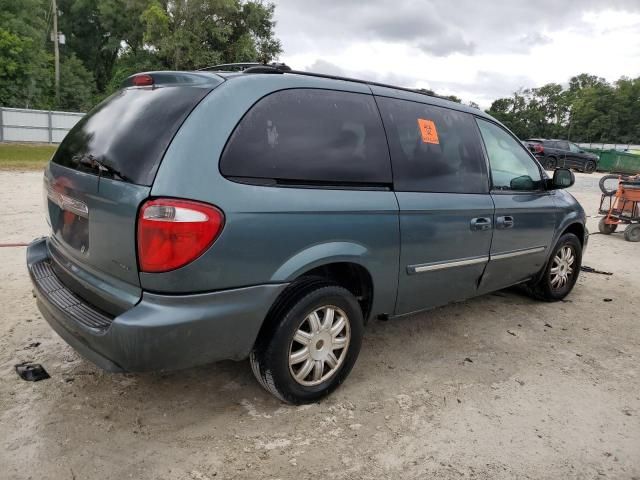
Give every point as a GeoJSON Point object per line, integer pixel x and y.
{"type": "Point", "coordinates": [101, 173]}
{"type": "Point", "coordinates": [535, 146]}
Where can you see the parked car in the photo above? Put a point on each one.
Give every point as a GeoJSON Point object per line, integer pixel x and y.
{"type": "Point", "coordinates": [270, 214]}
{"type": "Point", "coordinates": [561, 153]}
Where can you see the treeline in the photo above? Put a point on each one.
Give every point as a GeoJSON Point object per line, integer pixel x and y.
{"type": "Point", "coordinates": [589, 110]}
{"type": "Point", "coordinates": [108, 40]}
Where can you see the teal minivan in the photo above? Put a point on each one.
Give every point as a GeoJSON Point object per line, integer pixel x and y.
{"type": "Point", "coordinates": [270, 214]}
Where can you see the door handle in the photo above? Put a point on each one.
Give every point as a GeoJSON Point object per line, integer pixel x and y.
{"type": "Point", "coordinates": [480, 223]}
{"type": "Point", "coordinates": [504, 222]}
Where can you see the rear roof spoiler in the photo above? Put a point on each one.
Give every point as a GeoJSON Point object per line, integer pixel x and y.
{"type": "Point", "coordinates": [170, 78]}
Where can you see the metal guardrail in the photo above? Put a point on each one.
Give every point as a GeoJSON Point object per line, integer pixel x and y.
{"type": "Point", "coordinates": [38, 126]}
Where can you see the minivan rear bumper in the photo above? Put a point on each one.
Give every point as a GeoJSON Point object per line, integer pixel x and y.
{"type": "Point", "coordinates": [161, 332]}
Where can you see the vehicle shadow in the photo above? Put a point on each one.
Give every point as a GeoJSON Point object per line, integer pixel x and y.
{"type": "Point", "coordinates": [228, 386]}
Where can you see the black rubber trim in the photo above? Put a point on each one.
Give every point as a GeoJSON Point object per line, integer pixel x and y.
{"type": "Point", "coordinates": [55, 292]}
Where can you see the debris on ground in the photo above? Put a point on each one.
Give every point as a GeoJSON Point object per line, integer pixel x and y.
{"type": "Point", "coordinates": [31, 372]}
{"type": "Point", "coordinates": [607, 299]}
{"type": "Point", "coordinates": [548, 325]}
{"type": "Point", "coordinates": [512, 333]}
{"type": "Point", "coordinates": [587, 269]}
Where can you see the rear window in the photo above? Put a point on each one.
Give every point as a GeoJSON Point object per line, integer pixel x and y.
{"type": "Point", "coordinates": [310, 135]}
{"type": "Point", "coordinates": [433, 149]}
{"type": "Point", "coordinates": [125, 136]}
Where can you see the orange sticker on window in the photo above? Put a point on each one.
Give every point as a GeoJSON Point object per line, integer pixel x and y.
{"type": "Point", "coordinates": [428, 131]}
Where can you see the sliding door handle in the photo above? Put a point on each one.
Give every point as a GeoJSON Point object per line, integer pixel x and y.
{"type": "Point", "coordinates": [480, 223]}
{"type": "Point", "coordinates": [504, 222]}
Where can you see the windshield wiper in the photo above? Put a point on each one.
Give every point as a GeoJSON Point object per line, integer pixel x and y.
{"type": "Point", "coordinates": [92, 162]}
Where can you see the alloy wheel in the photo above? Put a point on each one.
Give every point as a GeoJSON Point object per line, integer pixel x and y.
{"type": "Point", "coordinates": [562, 268]}
{"type": "Point", "coordinates": [319, 345]}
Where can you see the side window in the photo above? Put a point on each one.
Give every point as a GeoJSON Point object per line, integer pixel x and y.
{"type": "Point", "coordinates": [433, 149]}
{"type": "Point", "coordinates": [511, 166]}
{"type": "Point", "coordinates": [574, 148]}
{"type": "Point", "coordinates": [563, 145]}
{"type": "Point", "coordinates": [310, 135]}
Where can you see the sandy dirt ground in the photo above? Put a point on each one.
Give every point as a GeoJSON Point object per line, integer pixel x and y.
{"type": "Point", "coordinates": [496, 387]}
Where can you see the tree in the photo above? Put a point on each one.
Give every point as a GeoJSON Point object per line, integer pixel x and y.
{"type": "Point", "coordinates": [588, 110]}
{"type": "Point", "coordinates": [77, 85]}
{"type": "Point", "coordinates": [25, 66]}
{"type": "Point", "coordinates": [188, 34]}
{"type": "Point", "coordinates": [97, 31]}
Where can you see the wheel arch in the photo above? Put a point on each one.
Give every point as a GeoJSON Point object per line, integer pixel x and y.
{"type": "Point", "coordinates": [352, 276]}
{"type": "Point", "coordinates": [572, 224]}
{"type": "Point", "coordinates": [578, 229]}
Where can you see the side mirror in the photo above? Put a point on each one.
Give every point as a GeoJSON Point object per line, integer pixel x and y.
{"type": "Point", "coordinates": [525, 182]}
{"type": "Point", "coordinates": [562, 178]}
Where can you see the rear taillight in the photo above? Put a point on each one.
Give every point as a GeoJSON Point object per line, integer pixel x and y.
{"type": "Point", "coordinates": [537, 148]}
{"type": "Point", "coordinates": [172, 233]}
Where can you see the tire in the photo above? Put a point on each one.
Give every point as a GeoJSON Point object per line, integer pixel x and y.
{"type": "Point", "coordinates": [606, 228]}
{"type": "Point", "coordinates": [603, 187]}
{"type": "Point", "coordinates": [544, 288]}
{"type": "Point", "coordinates": [632, 233]}
{"type": "Point", "coordinates": [278, 358]}
{"type": "Point", "coordinates": [590, 166]}
{"type": "Point", "coordinates": [551, 163]}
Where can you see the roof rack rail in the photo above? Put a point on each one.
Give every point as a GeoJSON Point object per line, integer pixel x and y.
{"type": "Point", "coordinates": [355, 80]}
{"type": "Point", "coordinates": [248, 67]}
{"type": "Point", "coordinates": [230, 67]}
{"type": "Point", "coordinates": [256, 67]}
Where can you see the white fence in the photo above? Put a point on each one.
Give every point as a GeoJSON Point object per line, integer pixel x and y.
{"type": "Point", "coordinates": [611, 146]}
{"type": "Point", "coordinates": [41, 126]}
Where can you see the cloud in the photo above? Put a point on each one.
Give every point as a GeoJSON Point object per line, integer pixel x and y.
{"type": "Point", "coordinates": [440, 27]}
{"type": "Point", "coordinates": [476, 50]}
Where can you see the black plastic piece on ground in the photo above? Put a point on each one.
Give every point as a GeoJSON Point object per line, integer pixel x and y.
{"type": "Point", "coordinates": [32, 372]}
{"type": "Point", "coordinates": [584, 268]}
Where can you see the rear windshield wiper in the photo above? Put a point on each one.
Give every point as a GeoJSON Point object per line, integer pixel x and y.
{"type": "Point", "coordinates": [92, 162]}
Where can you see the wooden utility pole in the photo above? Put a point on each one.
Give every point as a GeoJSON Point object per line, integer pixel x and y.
{"type": "Point", "coordinates": [56, 49]}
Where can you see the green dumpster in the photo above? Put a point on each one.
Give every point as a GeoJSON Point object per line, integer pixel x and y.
{"type": "Point", "coordinates": [619, 162]}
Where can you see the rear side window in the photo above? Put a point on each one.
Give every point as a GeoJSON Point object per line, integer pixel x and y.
{"type": "Point", "coordinates": [433, 149]}
{"type": "Point", "coordinates": [125, 136]}
{"type": "Point", "coordinates": [309, 135]}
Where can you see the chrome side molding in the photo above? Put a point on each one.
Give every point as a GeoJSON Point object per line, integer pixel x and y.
{"type": "Point", "coordinates": [430, 267]}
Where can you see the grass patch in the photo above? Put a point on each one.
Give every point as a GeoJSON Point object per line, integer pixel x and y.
{"type": "Point", "coordinates": [21, 156]}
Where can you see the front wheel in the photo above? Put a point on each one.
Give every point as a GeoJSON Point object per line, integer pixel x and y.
{"type": "Point", "coordinates": [311, 346]}
{"type": "Point", "coordinates": [561, 272]}
{"type": "Point", "coordinates": [551, 163]}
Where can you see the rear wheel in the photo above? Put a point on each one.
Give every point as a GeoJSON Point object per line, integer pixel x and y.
{"type": "Point", "coordinates": [551, 163]}
{"type": "Point", "coordinates": [590, 166]}
{"type": "Point", "coordinates": [311, 346]}
{"type": "Point", "coordinates": [562, 270]}
{"type": "Point", "coordinates": [632, 233]}
{"type": "Point", "coordinates": [606, 228]}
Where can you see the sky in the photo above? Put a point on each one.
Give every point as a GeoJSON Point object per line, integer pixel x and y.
{"type": "Point", "coordinates": [477, 50]}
